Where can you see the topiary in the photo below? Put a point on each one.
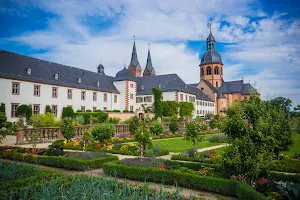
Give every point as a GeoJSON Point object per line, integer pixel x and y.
{"type": "Point", "coordinates": [88, 110]}
{"type": "Point", "coordinates": [47, 109]}
{"type": "Point", "coordinates": [2, 108]}
{"type": "Point", "coordinates": [103, 132]}
{"type": "Point", "coordinates": [24, 111]}
{"type": "Point", "coordinates": [67, 112]}
{"type": "Point", "coordinates": [174, 125]}
{"type": "Point", "coordinates": [67, 128]}
{"type": "Point", "coordinates": [156, 128]}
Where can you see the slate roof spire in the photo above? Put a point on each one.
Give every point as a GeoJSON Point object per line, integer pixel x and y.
{"type": "Point", "coordinates": [149, 70]}
{"type": "Point", "coordinates": [134, 59]}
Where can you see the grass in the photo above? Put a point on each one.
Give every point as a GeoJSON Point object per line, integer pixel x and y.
{"type": "Point", "coordinates": [295, 148]}
{"type": "Point", "coordinates": [180, 144]}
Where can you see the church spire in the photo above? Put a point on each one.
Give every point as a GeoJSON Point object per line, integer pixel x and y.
{"type": "Point", "coordinates": [134, 66]}
{"type": "Point", "coordinates": [134, 58]}
{"type": "Point", "coordinates": [210, 41]}
{"type": "Point", "coordinates": [149, 70]}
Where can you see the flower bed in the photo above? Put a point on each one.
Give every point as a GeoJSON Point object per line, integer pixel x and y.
{"type": "Point", "coordinates": [287, 165]}
{"type": "Point", "coordinates": [184, 179]}
{"type": "Point", "coordinates": [210, 156]}
{"type": "Point", "coordinates": [58, 161]}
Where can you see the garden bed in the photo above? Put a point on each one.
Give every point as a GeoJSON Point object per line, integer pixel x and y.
{"type": "Point", "coordinates": [184, 179]}
{"type": "Point", "coordinates": [72, 163]}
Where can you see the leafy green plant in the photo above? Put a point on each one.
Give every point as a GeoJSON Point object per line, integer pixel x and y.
{"type": "Point", "coordinates": [158, 109]}
{"type": "Point", "coordinates": [67, 128]}
{"type": "Point", "coordinates": [142, 136]}
{"type": "Point", "coordinates": [193, 132]}
{"type": "Point", "coordinates": [47, 109]}
{"type": "Point", "coordinates": [103, 132]}
{"type": "Point", "coordinates": [174, 125]}
{"type": "Point", "coordinates": [55, 150]}
{"type": "Point", "coordinates": [67, 112]}
{"type": "Point", "coordinates": [156, 128]}
{"type": "Point", "coordinates": [133, 124]}
{"type": "Point", "coordinates": [43, 120]}
{"type": "Point", "coordinates": [114, 120]}
{"type": "Point", "coordinates": [87, 139]}
{"type": "Point", "coordinates": [170, 108]}
{"type": "Point", "coordinates": [80, 120]}
{"type": "Point", "coordinates": [24, 111]}
{"type": "Point", "coordinates": [186, 109]}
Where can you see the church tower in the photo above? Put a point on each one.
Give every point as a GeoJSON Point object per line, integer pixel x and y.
{"type": "Point", "coordinates": [149, 70]}
{"type": "Point", "coordinates": [211, 66]}
{"type": "Point", "coordinates": [134, 66]}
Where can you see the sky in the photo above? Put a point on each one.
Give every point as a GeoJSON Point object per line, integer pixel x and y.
{"type": "Point", "coordinates": [259, 41]}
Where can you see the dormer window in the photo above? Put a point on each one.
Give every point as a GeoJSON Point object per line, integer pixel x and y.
{"type": "Point", "coordinates": [79, 80]}
{"type": "Point", "coordinates": [98, 84]}
{"type": "Point", "coordinates": [56, 76]}
{"type": "Point", "coordinates": [142, 87]}
{"type": "Point", "coordinates": [28, 71]}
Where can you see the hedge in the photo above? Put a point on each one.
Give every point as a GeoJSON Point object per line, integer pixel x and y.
{"type": "Point", "coordinates": [59, 161]}
{"type": "Point", "coordinates": [284, 177]}
{"type": "Point", "coordinates": [217, 185]}
{"type": "Point", "coordinates": [184, 158]}
{"type": "Point", "coordinates": [287, 165]}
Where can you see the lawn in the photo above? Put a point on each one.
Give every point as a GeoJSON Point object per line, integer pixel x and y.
{"type": "Point", "coordinates": [180, 144]}
{"type": "Point", "coordinates": [295, 148]}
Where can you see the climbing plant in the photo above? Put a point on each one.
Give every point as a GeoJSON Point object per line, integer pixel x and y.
{"type": "Point", "coordinates": [158, 109]}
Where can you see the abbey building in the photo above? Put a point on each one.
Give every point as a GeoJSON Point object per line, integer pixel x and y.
{"type": "Point", "coordinates": [28, 80]}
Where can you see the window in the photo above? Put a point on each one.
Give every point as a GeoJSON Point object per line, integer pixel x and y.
{"type": "Point", "coordinates": [94, 108]}
{"type": "Point", "coordinates": [245, 98]}
{"type": "Point", "coordinates": [69, 94]}
{"type": "Point", "coordinates": [190, 98]}
{"type": "Point", "coordinates": [217, 84]}
{"type": "Point", "coordinates": [208, 70]}
{"type": "Point", "coordinates": [36, 109]}
{"type": "Point", "coordinates": [14, 107]}
{"type": "Point", "coordinates": [197, 111]}
{"type": "Point", "coordinates": [16, 88]}
{"type": "Point", "coordinates": [54, 92]}
{"type": "Point", "coordinates": [94, 96]}
{"type": "Point", "coordinates": [131, 108]}
{"type": "Point", "coordinates": [131, 85]}
{"type": "Point", "coordinates": [131, 96]}
{"type": "Point", "coordinates": [181, 97]}
{"type": "Point", "coordinates": [202, 71]}
{"type": "Point", "coordinates": [36, 90]}
{"type": "Point", "coordinates": [54, 110]}
{"type": "Point", "coordinates": [149, 99]}
{"type": "Point", "coordinates": [216, 70]}
{"type": "Point", "coordinates": [82, 95]}
{"type": "Point", "coordinates": [105, 97]}
{"type": "Point", "coordinates": [186, 99]}
{"type": "Point", "coordinates": [115, 98]}
{"type": "Point", "coordinates": [82, 108]}
{"type": "Point", "coordinates": [104, 108]}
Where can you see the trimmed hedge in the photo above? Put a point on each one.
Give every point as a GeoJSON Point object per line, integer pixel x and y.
{"type": "Point", "coordinates": [218, 185]}
{"type": "Point", "coordinates": [287, 165]}
{"type": "Point", "coordinates": [59, 161]}
{"type": "Point", "coordinates": [184, 158]}
{"type": "Point", "coordinates": [284, 177]}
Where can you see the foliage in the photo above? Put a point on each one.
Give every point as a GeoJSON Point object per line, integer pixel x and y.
{"type": "Point", "coordinates": [43, 120]}
{"type": "Point", "coordinates": [67, 128]}
{"type": "Point", "coordinates": [142, 136]}
{"type": "Point", "coordinates": [282, 102]}
{"type": "Point", "coordinates": [186, 109]}
{"type": "Point", "coordinates": [158, 109]}
{"type": "Point", "coordinates": [287, 165]}
{"type": "Point", "coordinates": [2, 108]}
{"type": "Point", "coordinates": [208, 116]}
{"type": "Point", "coordinates": [114, 120]}
{"type": "Point", "coordinates": [80, 120]}
{"type": "Point", "coordinates": [55, 150]}
{"type": "Point", "coordinates": [156, 128]}
{"type": "Point", "coordinates": [217, 138]}
{"type": "Point", "coordinates": [103, 132]}
{"type": "Point", "coordinates": [174, 125]}
{"type": "Point", "coordinates": [47, 109]}
{"type": "Point", "coordinates": [216, 122]}
{"type": "Point", "coordinates": [169, 108]}
{"type": "Point", "coordinates": [24, 111]}
{"type": "Point", "coordinates": [87, 139]}
{"type": "Point", "coordinates": [3, 119]}
{"type": "Point", "coordinates": [34, 139]}
{"type": "Point", "coordinates": [133, 124]}
{"type": "Point", "coordinates": [59, 161]}
{"type": "Point", "coordinates": [88, 111]}
{"type": "Point", "coordinates": [101, 116]}
{"type": "Point", "coordinates": [193, 132]}
{"type": "Point", "coordinates": [67, 112]}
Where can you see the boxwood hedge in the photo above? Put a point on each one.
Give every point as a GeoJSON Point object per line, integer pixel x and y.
{"type": "Point", "coordinates": [59, 161]}
{"type": "Point", "coordinates": [217, 185]}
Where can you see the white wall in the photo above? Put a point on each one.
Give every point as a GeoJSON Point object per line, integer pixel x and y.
{"type": "Point", "coordinates": [26, 97]}
{"type": "Point", "coordinates": [132, 90]}
{"type": "Point", "coordinates": [121, 87]}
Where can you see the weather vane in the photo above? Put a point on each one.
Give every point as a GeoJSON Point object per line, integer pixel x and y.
{"type": "Point", "coordinates": [210, 26]}
{"type": "Point", "coordinates": [148, 46]}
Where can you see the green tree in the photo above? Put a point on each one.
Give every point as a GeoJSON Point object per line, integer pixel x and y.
{"type": "Point", "coordinates": [67, 112]}
{"type": "Point", "coordinates": [24, 111]}
{"type": "Point", "coordinates": [283, 102]}
{"type": "Point", "coordinates": [133, 124]}
{"type": "Point", "coordinates": [170, 108]}
{"type": "Point", "coordinates": [193, 132]}
{"type": "Point", "coordinates": [87, 139]}
{"type": "Point", "coordinates": [158, 109]}
{"type": "Point", "coordinates": [2, 107]}
{"type": "Point", "coordinates": [67, 128]}
{"type": "Point", "coordinates": [156, 128]}
{"type": "Point", "coordinates": [3, 119]}
{"type": "Point", "coordinates": [186, 109]}
{"type": "Point", "coordinates": [208, 116]}
{"type": "Point", "coordinates": [174, 125]}
{"type": "Point", "coordinates": [48, 109]}
{"type": "Point", "coordinates": [103, 132]}
{"type": "Point", "coordinates": [142, 136]}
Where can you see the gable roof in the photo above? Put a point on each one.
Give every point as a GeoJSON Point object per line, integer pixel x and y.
{"type": "Point", "coordinates": [235, 87]}
{"type": "Point", "coordinates": [210, 85]}
{"type": "Point", "coordinates": [13, 65]}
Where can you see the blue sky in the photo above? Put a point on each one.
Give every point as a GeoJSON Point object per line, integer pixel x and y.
{"type": "Point", "coordinates": [259, 41]}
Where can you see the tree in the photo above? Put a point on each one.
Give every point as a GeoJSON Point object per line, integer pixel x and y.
{"type": "Point", "coordinates": [67, 128]}
{"type": "Point", "coordinates": [158, 110]}
{"type": "Point", "coordinates": [208, 116]}
{"type": "Point", "coordinates": [193, 132]}
{"type": "Point", "coordinates": [174, 125]}
{"type": "Point", "coordinates": [156, 128]}
{"type": "Point", "coordinates": [170, 108]}
{"type": "Point", "coordinates": [142, 136]}
{"type": "Point", "coordinates": [133, 124]}
{"type": "Point", "coordinates": [67, 112]}
{"type": "Point", "coordinates": [47, 109]}
{"type": "Point", "coordinates": [283, 102]}
{"type": "Point", "coordinates": [2, 108]}
{"type": "Point", "coordinates": [24, 111]}
{"type": "Point", "coordinates": [186, 109]}
{"type": "Point", "coordinates": [103, 132]}
{"type": "Point", "coordinates": [87, 139]}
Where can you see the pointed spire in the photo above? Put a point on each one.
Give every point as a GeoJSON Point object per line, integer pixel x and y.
{"type": "Point", "coordinates": [134, 60]}
{"type": "Point", "coordinates": [149, 61]}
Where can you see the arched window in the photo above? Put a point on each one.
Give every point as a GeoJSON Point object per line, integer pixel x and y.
{"type": "Point", "coordinates": [216, 70]}
{"type": "Point", "coordinates": [202, 71]}
{"type": "Point", "coordinates": [208, 70]}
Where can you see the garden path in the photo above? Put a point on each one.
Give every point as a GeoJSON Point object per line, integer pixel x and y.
{"type": "Point", "coordinates": [186, 192]}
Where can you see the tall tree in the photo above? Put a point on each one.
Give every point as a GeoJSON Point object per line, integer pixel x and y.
{"type": "Point", "coordinates": [158, 109]}
{"type": "Point", "coordinates": [283, 102]}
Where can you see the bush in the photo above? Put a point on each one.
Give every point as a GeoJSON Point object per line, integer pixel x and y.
{"type": "Point", "coordinates": [114, 120]}
{"type": "Point", "coordinates": [103, 132]}
{"type": "Point", "coordinates": [102, 117]}
{"type": "Point", "coordinates": [59, 161]}
{"type": "Point", "coordinates": [133, 124]}
{"type": "Point", "coordinates": [88, 111]}
{"type": "Point", "coordinates": [156, 128]}
{"type": "Point", "coordinates": [3, 119]}
{"type": "Point", "coordinates": [2, 108]}
{"type": "Point", "coordinates": [67, 112]}
{"type": "Point", "coordinates": [80, 120]}
{"type": "Point", "coordinates": [170, 108]}
{"type": "Point", "coordinates": [174, 125]}
{"type": "Point", "coordinates": [169, 177]}
{"type": "Point", "coordinates": [125, 111]}
{"type": "Point", "coordinates": [43, 120]}
{"type": "Point", "coordinates": [48, 109]}
{"type": "Point", "coordinates": [24, 111]}
{"type": "Point", "coordinates": [55, 150]}
{"type": "Point", "coordinates": [67, 128]}
{"type": "Point", "coordinates": [287, 165]}
{"type": "Point", "coordinates": [218, 139]}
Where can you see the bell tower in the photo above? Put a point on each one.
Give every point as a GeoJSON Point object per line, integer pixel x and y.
{"type": "Point", "coordinates": [134, 66]}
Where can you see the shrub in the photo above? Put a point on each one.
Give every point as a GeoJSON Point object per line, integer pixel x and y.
{"type": "Point", "coordinates": [55, 150]}
{"type": "Point", "coordinates": [156, 128]}
{"type": "Point", "coordinates": [125, 111]}
{"type": "Point", "coordinates": [67, 128]}
{"type": "Point", "coordinates": [80, 120]}
{"type": "Point", "coordinates": [3, 119]}
{"type": "Point", "coordinates": [2, 108]}
{"type": "Point", "coordinates": [103, 132]}
{"type": "Point", "coordinates": [114, 120]}
{"type": "Point", "coordinates": [186, 109]}
{"type": "Point", "coordinates": [43, 120]}
{"type": "Point", "coordinates": [133, 124]}
{"type": "Point", "coordinates": [116, 111]}
{"type": "Point", "coordinates": [102, 117]}
{"type": "Point", "coordinates": [47, 109]}
{"type": "Point", "coordinates": [67, 112]}
{"type": "Point", "coordinates": [218, 139]}
{"type": "Point", "coordinates": [88, 110]}
{"type": "Point", "coordinates": [170, 108]}
{"type": "Point", "coordinates": [24, 111]}
{"type": "Point", "coordinates": [174, 125]}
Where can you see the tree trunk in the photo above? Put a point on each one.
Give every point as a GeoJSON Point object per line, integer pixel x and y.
{"type": "Point", "coordinates": [142, 152]}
